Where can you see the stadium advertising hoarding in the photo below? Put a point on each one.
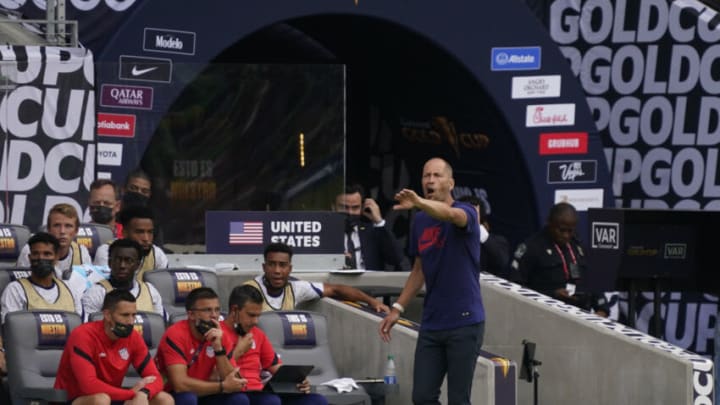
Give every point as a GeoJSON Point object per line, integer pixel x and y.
{"type": "Point", "coordinates": [48, 128]}
{"type": "Point", "coordinates": [649, 72]}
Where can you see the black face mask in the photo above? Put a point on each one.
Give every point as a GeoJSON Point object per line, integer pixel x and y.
{"type": "Point", "coordinates": [101, 214]}
{"type": "Point", "coordinates": [122, 330]}
{"type": "Point", "coordinates": [132, 199]}
{"type": "Point", "coordinates": [239, 330]}
{"type": "Point", "coordinates": [42, 267]}
{"type": "Point", "coordinates": [204, 326]}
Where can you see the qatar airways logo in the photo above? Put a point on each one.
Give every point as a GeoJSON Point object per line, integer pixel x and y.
{"type": "Point", "coordinates": [550, 115]}
{"type": "Point", "coordinates": [120, 125]}
{"type": "Point", "coordinates": [120, 96]}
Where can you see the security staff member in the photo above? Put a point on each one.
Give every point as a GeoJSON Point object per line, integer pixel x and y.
{"type": "Point", "coordinates": [552, 261]}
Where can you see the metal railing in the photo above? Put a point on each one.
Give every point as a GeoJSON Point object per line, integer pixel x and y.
{"type": "Point", "coordinates": [56, 33]}
{"type": "Point", "coordinates": [55, 29]}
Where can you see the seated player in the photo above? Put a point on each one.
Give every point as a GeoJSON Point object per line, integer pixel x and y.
{"type": "Point", "coordinates": [98, 354]}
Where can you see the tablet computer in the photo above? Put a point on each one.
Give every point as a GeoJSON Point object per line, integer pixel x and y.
{"type": "Point", "coordinates": [286, 379]}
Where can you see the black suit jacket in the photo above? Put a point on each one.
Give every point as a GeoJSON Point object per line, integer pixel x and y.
{"type": "Point", "coordinates": [379, 247]}
{"type": "Point", "coordinates": [495, 255]}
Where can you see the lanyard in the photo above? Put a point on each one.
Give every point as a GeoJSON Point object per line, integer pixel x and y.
{"type": "Point", "coordinates": [562, 257]}
{"type": "Point", "coordinates": [196, 354]}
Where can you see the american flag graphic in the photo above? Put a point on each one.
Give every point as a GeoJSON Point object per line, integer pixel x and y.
{"type": "Point", "coordinates": [246, 233]}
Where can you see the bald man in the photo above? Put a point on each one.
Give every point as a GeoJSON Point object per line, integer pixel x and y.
{"type": "Point", "coordinates": [444, 241]}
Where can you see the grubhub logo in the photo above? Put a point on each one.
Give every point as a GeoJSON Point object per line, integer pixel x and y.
{"type": "Point", "coordinates": [605, 235]}
{"type": "Point", "coordinates": [119, 125]}
{"type": "Point", "coordinates": [564, 143]}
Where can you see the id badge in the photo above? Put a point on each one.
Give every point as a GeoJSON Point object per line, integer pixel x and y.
{"type": "Point", "coordinates": [574, 271]}
{"type": "Point", "coordinates": [570, 287]}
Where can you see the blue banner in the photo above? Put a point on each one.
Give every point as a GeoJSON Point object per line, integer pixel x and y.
{"type": "Point", "coordinates": [248, 232]}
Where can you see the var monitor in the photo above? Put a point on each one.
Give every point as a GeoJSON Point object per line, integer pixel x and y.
{"type": "Point", "coordinates": [644, 247]}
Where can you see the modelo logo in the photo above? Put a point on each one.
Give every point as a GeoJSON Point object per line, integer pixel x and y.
{"type": "Point", "coordinates": [572, 171]}
{"type": "Point", "coordinates": [169, 41]}
{"type": "Point", "coordinates": [605, 235]}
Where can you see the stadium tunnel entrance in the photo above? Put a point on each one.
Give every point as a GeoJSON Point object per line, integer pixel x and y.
{"type": "Point", "coordinates": [414, 89]}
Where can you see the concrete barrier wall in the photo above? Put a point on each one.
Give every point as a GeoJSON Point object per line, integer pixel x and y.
{"type": "Point", "coordinates": [360, 353]}
{"type": "Point", "coordinates": [586, 359]}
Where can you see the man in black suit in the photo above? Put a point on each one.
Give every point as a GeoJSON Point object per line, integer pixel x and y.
{"type": "Point", "coordinates": [494, 248]}
{"type": "Point", "coordinates": [368, 242]}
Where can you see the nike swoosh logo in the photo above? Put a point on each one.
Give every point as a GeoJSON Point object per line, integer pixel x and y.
{"type": "Point", "coordinates": [137, 72]}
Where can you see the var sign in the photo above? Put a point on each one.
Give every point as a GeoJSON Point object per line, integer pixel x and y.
{"type": "Point", "coordinates": [675, 250]}
{"type": "Point", "coordinates": [605, 235]}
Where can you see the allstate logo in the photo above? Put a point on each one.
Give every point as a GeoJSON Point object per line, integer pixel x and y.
{"type": "Point", "coordinates": [502, 58]}
{"type": "Point", "coordinates": [516, 58]}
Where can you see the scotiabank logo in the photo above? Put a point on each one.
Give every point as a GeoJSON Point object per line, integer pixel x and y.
{"type": "Point", "coordinates": [564, 143]}
{"type": "Point", "coordinates": [121, 125]}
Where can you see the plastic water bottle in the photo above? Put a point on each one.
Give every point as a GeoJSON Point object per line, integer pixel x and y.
{"type": "Point", "coordinates": [390, 376]}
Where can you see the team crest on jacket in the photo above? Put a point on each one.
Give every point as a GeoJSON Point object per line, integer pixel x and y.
{"type": "Point", "coordinates": [209, 351]}
{"type": "Point", "coordinates": [124, 354]}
